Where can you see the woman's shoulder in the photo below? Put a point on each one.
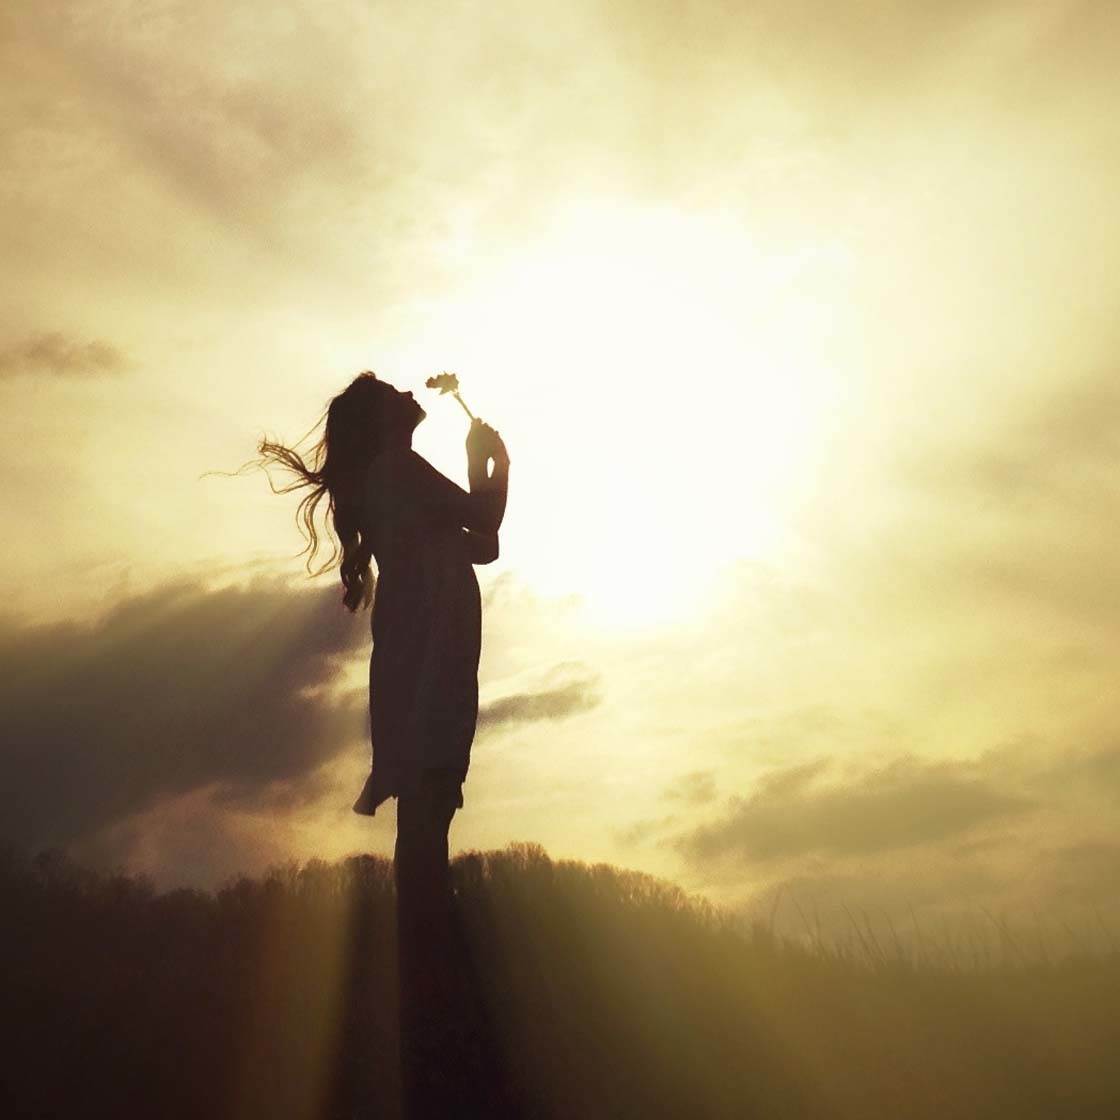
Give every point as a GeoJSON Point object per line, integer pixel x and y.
{"type": "Point", "coordinates": [394, 475]}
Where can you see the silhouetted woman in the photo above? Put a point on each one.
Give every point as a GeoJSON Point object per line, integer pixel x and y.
{"type": "Point", "coordinates": [425, 533]}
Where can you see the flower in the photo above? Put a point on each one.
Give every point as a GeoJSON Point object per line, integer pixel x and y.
{"type": "Point", "coordinates": [444, 382]}
{"type": "Point", "coordinates": [448, 383]}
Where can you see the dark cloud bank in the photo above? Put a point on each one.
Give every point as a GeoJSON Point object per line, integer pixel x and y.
{"type": "Point", "coordinates": [233, 692]}
{"type": "Point", "coordinates": [169, 692]}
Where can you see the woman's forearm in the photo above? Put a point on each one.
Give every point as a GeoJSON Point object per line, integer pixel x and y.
{"type": "Point", "coordinates": [490, 491]}
{"type": "Point", "coordinates": [499, 480]}
{"type": "Point", "coordinates": [476, 473]}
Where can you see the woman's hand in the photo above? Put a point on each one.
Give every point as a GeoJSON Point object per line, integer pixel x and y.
{"type": "Point", "coordinates": [484, 443]}
{"type": "Point", "coordinates": [499, 453]}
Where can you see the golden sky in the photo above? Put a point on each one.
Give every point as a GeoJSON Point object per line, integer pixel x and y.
{"type": "Point", "coordinates": [798, 319]}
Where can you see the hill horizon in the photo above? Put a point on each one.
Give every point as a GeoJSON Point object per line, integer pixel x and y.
{"type": "Point", "coordinates": [600, 992]}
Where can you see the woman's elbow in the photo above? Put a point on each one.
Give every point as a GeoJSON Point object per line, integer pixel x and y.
{"type": "Point", "coordinates": [484, 514]}
{"type": "Point", "coordinates": [484, 548]}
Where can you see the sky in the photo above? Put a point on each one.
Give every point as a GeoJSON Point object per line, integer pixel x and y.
{"type": "Point", "coordinates": [799, 322]}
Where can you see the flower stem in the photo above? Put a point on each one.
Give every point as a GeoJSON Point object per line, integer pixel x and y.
{"type": "Point", "coordinates": [455, 394]}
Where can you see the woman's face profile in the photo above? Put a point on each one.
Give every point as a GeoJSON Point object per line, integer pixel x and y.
{"type": "Point", "coordinates": [399, 411]}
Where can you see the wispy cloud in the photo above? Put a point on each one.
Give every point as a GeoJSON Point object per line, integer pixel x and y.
{"type": "Point", "coordinates": [695, 788]}
{"type": "Point", "coordinates": [906, 804]}
{"type": "Point", "coordinates": [54, 354]}
{"type": "Point", "coordinates": [1020, 828]}
{"type": "Point", "coordinates": [579, 694]}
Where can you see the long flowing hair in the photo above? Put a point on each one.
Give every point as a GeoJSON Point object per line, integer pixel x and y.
{"type": "Point", "coordinates": [335, 470]}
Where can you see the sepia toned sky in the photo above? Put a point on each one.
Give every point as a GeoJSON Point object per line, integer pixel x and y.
{"type": "Point", "coordinates": [799, 320]}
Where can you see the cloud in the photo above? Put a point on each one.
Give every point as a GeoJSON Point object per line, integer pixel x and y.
{"type": "Point", "coordinates": [55, 354]}
{"type": "Point", "coordinates": [219, 134]}
{"type": "Point", "coordinates": [1060, 456]}
{"type": "Point", "coordinates": [190, 839]}
{"type": "Point", "coordinates": [695, 788]}
{"type": "Point", "coordinates": [644, 831]}
{"type": "Point", "coordinates": [1021, 830]}
{"type": "Point", "coordinates": [906, 804]}
{"type": "Point", "coordinates": [1015, 526]}
{"type": "Point", "coordinates": [266, 126]}
{"type": "Point", "coordinates": [580, 694]}
{"type": "Point", "coordinates": [169, 692]}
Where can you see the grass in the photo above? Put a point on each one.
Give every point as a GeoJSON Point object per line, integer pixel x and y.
{"type": "Point", "coordinates": [609, 994]}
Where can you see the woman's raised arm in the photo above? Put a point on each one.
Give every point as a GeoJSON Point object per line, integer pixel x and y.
{"type": "Point", "coordinates": [484, 444]}
{"type": "Point", "coordinates": [483, 507]}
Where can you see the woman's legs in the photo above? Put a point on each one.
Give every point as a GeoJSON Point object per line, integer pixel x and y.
{"type": "Point", "coordinates": [429, 973]}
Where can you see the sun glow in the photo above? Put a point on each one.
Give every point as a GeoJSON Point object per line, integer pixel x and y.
{"type": "Point", "coordinates": [662, 381]}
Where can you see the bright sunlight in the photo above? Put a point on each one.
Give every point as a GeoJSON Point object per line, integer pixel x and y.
{"type": "Point", "coordinates": [674, 377]}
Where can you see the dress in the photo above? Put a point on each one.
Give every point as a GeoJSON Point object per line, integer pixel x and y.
{"type": "Point", "coordinates": [426, 625]}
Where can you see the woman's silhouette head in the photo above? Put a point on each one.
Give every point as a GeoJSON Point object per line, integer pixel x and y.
{"type": "Point", "coordinates": [367, 417]}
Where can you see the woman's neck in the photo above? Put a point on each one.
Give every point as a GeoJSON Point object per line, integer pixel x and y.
{"type": "Point", "coordinates": [396, 441]}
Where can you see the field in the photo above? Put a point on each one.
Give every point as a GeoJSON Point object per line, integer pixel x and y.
{"type": "Point", "coordinates": [601, 993]}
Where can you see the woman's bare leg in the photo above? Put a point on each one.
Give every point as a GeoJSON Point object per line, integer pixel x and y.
{"type": "Point", "coordinates": [429, 972]}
